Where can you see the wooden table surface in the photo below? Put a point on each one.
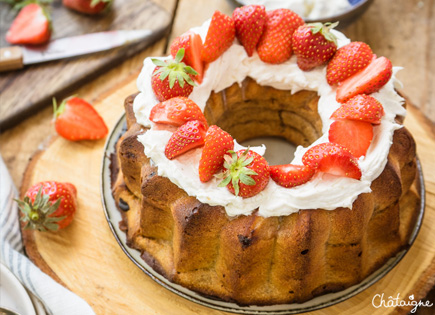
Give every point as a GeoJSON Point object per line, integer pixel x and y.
{"type": "Point", "coordinates": [398, 29]}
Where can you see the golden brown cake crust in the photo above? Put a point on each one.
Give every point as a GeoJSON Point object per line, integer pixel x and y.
{"type": "Point", "coordinates": [256, 260]}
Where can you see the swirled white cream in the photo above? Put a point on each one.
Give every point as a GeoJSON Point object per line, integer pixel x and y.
{"type": "Point", "coordinates": [323, 191]}
{"type": "Point", "coordinates": [309, 9]}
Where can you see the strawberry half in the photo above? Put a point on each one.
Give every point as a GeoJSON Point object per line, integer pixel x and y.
{"type": "Point", "coordinates": [291, 175]}
{"type": "Point", "coordinates": [192, 44]}
{"type": "Point", "coordinates": [75, 119]}
{"type": "Point", "coordinates": [176, 111]}
{"type": "Point", "coordinates": [361, 107]}
{"type": "Point", "coordinates": [31, 26]}
{"type": "Point", "coordinates": [347, 61]}
{"type": "Point", "coordinates": [314, 44]}
{"type": "Point", "coordinates": [172, 78]}
{"type": "Point", "coordinates": [220, 36]}
{"type": "Point", "coordinates": [87, 6]}
{"type": "Point", "coordinates": [332, 158]}
{"type": "Point", "coordinates": [367, 81]}
{"type": "Point", "coordinates": [246, 174]}
{"type": "Point", "coordinates": [249, 21]}
{"type": "Point", "coordinates": [49, 206]}
{"type": "Point", "coordinates": [352, 134]}
{"type": "Point", "coordinates": [187, 137]}
{"type": "Point", "coordinates": [275, 45]}
{"type": "Point", "coordinates": [217, 144]}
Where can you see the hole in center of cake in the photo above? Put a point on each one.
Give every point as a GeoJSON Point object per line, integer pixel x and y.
{"type": "Point", "coordinates": [278, 150]}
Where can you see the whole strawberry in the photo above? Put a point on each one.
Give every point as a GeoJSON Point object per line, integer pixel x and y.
{"type": "Point", "coordinates": [220, 36]}
{"type": "Point", "coordinates": [246, 174]}
{"type": "Point", "coordinates": [187, 137]}
{"type": "Point", "coordinates": [192, 44]}
{"type": "Point", "coordinates": [361, 107]}
{"type": "Point", "coordinates": [314, 44]}
{"type": "Point", "coordinates": [275, 45]}
{"type": "Point", "coordinates": [249, 21]}
{"type": "Point", "coordinates": [176, 111]}
{"type": "Point", "coordinates": [347, 61]}
{"type": "Point", "coordinates": [75, 120]}
{"type": "Point", "coordinates": [217, 144]}
{"type": "Point", "coordinates": [49, 206]}
{"type": "Point", "coordinates": [172, 78]}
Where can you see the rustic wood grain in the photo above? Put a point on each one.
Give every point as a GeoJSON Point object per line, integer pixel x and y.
{"type": "Point", "coordinates": [24, 92]}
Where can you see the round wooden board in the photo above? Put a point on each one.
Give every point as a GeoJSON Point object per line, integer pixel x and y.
{"type": "Point", "coordinates": [86, 258]}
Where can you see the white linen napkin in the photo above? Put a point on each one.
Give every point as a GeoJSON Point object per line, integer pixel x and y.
{"type": "Point", "coordinates": [56, 298]}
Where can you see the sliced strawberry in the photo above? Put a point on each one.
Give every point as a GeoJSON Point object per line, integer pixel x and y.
{"type": "Point", "coordinates": [217, 144]}
{"type": "Point", "coordinates": [31, 26]}
{"type": "Point", "coordinates": [361, 107]}
{"type": "Point", "coordinates": [352, 134]}
{"type": "Point", "coordinates": [291, 175]}
{"type": "Point", "coordinates": [275, 45]}
{"type": "Point", "coordinates": [172, 78]}
{"type": "Point", "coordinates": [192, 44]}
{"type": "Point", "coordinates": [347, 61]}
{"type": "Point", "coordinates": [332, 158]}
{"type": "Point", "coordinates": [87, 6]}
{"type": "Point", "coordinates": [247, 173]}
{"type": "Point", "coordinates": [367, 81]}
{"type": "Point", "coordinates": [76, 119]}
{"type": "Point", "coordinates": [176, 111]}
{"type": "Point", "coordinates": [314, 44]}
{"type": "Point", "coordinates": [249, 21]}
{"type": "Point", "coordinates": [220, 36]}
{"type": "Point", "coordinates": [187, 137]}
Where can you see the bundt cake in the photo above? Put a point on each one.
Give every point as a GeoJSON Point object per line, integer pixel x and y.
{"type": "Point", "coordinates": [286, 243]}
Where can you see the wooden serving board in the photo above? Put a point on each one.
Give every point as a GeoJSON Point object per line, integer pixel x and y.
{"type": "Point", "coordinates": [23, 92]}
{"type": "Point", "coordinates": [86, 258]}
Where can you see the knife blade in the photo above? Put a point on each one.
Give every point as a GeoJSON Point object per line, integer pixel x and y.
{"type": "Point", "coordinates": [16, 57]}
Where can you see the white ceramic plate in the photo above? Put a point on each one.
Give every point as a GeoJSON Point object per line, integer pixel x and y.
{"type": "Point", "coordinates": [113, 217]}
{"type": "Point", "coordinates": [13, 295]}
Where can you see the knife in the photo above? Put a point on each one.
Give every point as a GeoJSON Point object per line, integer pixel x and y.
{"type": "Point", "coordinates": [16, 57]}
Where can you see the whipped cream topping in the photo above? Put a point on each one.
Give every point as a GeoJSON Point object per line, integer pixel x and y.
{"type": "Point", "coordinates": [323, 191]}
{"type": "Point", "coordinates": [309, 9]}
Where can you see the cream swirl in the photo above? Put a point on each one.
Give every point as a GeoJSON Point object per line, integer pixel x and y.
{"type": "Point", "coordinates": [323, 191]}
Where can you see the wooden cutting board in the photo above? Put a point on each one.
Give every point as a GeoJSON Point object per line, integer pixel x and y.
{"type": "Point", "coordinates": [23, 92]}
{"type": "Point", "coordinates": [86, 258]}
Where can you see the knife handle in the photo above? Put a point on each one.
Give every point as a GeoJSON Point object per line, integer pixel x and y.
{"type": "Point", "coordinates": [11, 58]}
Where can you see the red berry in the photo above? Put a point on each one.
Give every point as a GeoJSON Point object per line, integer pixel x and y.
{"type": "Point", "coordinates": [332, 158]}
{"type": "Point", "coordinates": [176, 111]}
{"type": "Point", "coordinates": [291, 175]}
{"type": "Point", "coordinates": [172, 78]}
{"type": "Point", "coordinates": [347, 61]}
{"type": "Point", "coordinates": [361, 107]}
{"type": "Point", "coordinates": [192, 44]}
{"type": "Point", "coordinates": [352, 134]}
{"type": "Point", "coordinates": [367, 81]}
{"type": "Point", "coordinates": [246, 174]}
{"type": "Point", "coordinates": [87, 6]}
{"type": "Point", "coordinates": [187, 137]}
{"type": "Point", "coordinates": [220, 36]}
{"type": "Point", "coordinates": [76, 119]}
{"type": "Point", "coordinates": [217, 144]}
{"type": "Point", "coordinates": [314, 44]}
{"type": "Point", "coordinates": [49, 206]}
{"type": "Point", "coordinates": [31, 26]}
{"type": "Point", "coordinates": [275, 45]}
{"type": "Point", "coordinates": [249, 21]}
